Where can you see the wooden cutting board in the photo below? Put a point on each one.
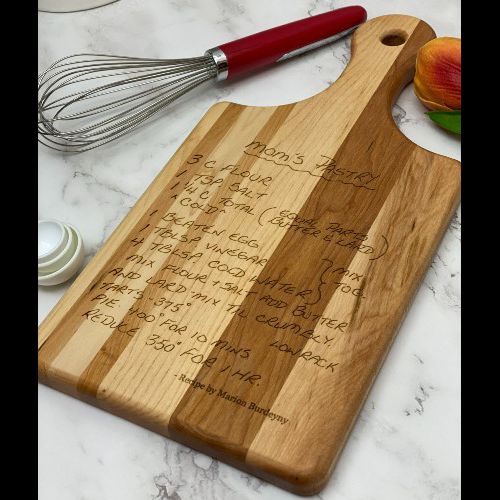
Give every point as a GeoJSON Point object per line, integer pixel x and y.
{"type": "Point", "coordinates": [246, 303]}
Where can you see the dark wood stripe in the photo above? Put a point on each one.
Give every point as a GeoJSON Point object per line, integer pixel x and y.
{"type": "Point", "coordinates": [72, 320]}
{"type": "Point", "coordinates": [217, 424]}
{"type": "Point", "coordinates": [104, 360]}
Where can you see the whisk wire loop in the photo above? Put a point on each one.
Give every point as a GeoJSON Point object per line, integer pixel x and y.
{"type": "Point", "coordinates": [87, 100]}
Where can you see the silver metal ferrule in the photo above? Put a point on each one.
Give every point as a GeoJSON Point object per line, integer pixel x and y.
{"type": "Point", "coordinates": [317, 44]}
{"type": "Point", "coordinates": [220, 61]}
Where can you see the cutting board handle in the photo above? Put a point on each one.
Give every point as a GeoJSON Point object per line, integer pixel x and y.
{"type": "Point", "coordinates": [383, 55]}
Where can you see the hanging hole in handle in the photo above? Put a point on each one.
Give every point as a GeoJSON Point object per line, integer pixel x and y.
{"type": "Point", "coordinates": [394, 37]}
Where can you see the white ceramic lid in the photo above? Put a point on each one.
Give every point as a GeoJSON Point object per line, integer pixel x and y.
{"type": "Point", "coordinates": [52, 237]}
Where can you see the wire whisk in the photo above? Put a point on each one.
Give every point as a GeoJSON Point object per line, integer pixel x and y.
{"type": "Point", "coordinates": [87, 100]}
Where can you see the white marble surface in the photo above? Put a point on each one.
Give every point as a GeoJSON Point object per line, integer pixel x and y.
{"type": "Point", "coordinates": [406, 443]}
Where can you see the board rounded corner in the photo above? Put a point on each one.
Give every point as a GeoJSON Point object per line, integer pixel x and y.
{"type": "Point", "coordinates": [304, 479]}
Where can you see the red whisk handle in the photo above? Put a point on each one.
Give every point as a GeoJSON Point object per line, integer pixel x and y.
{"type": "Point", "coordinates": [276, 44]}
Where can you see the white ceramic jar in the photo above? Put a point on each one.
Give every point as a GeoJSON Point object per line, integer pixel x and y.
{"type": "Point", "coordinates": [60, 252]}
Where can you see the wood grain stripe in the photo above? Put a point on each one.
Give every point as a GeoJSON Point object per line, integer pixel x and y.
{"type": "Point", "coordinates": [231, 428]}
{"type": "Point", "coordinates": [359, 356]}
{"type": "Point", "coordinates": [104, 360]}
{"type": "Point", "coordinates": [71, 355]}
{"type": "Point", "coordinates": [66, 328]}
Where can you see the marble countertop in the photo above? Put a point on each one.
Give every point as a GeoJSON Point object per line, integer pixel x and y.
{"type": "Point", "coordinates": [406, 442]}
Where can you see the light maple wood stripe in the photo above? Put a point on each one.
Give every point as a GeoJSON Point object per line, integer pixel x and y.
{"type": "Point", "coordinates": [55, 335]}
{"type": "Point", "coordinates": [115, 240]}
{"type": "Point", "coordinates": [341, 394]}
{"type": "Point", "coordinates": [122, 384]}
{"type": "Point", "coordinates": [104, 359]}
{"type": "Point", "coordinates": [87, 340]}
